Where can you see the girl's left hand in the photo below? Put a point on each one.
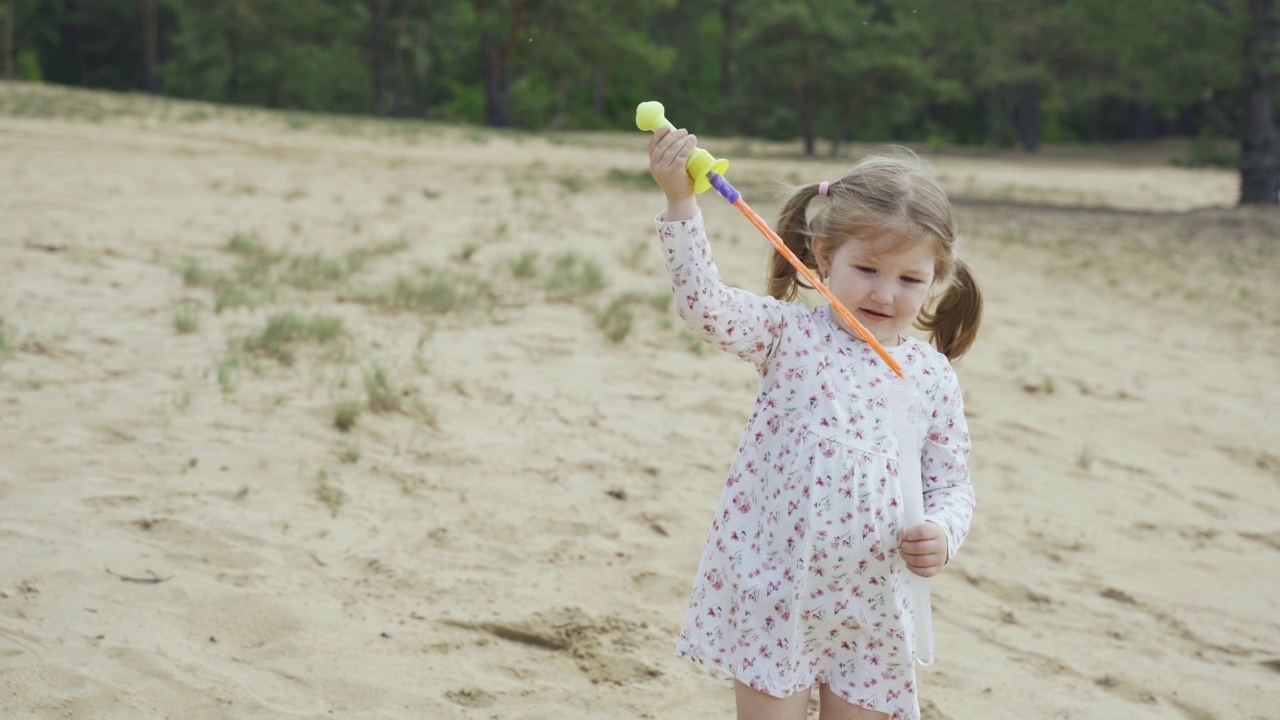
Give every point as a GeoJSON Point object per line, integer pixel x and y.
{"type": "Point", "coordinates": [669, 150]}
{"type": "Point", "coordinates": [924, 548]}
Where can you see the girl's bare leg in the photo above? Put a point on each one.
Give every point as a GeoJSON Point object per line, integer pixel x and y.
{"type": "Point", "coordinates": [835, 707]}
{"type": "Point", "coordinates": [755, 705]}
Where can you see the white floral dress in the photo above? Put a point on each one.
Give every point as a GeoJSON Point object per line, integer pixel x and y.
{"type": "Point", "coordinates": [801, 581]}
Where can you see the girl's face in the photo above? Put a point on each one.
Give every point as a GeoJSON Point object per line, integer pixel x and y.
{"type": "Point", "coordinates": [884, 282]}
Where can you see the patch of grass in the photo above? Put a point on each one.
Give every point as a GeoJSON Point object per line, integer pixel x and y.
{"type": "Point", "coordinates": [186, 318]}
{"type": "Point", "coordinates": [572, 183]}
{"type": "Point", "coordinates": [260, 270]}
{"type": "Point", "coordinates": [182, 400]}
{"type": "Point", "coordinates": [285, 330]}
{"type": "Point", "coordinates": [227, 367]}
{"type": "Point", "coordinates": [630, 179]}
{"type": "Point", "coordinates": [348, 452]}
{"type": "Point", "coordinates": [1084, 458]}
{"type": "Point", "coordinates": [692, 342]}
{"type": "Point", "coordinates": [382, 394]}
{"type": "Point", "coordinates": [346, 413]}
{"type": "Point", "coordinates": [466, 252]}
{"type": "Point", "coordinates": [249, 245]}
{"type": "Point", "coordinates": [572, 277]}
{"type": "Point", "coordinates": [326, 492]}
{"type": "Point", "coordinates": [228, 295]}
{"type": "Point", "coordinates": [526, 265]}
{"type": "Point", "coordinates": [636, 257]}
{"type": "Point", "coordinates": [1209, 151]}
{"type": "Point", "coordinates": [616, 319]}
{"type": "Point", "coordinates": [194, 274]}
{"type": "Point", "coordinates": [314, 272]}
{"type": "Point", "coordinates": [295, 194]}
{"type": "Point", "coordinates": [434, 293]}
{"type": "Point", "coordinates": [6, 339]}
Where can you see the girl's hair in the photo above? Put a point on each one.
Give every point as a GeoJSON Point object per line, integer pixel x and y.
{"type": "Point", "coordinates": [895, 193]}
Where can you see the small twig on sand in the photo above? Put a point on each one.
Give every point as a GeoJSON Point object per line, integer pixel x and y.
{"type": "Point", "coordinates": [153, 580]}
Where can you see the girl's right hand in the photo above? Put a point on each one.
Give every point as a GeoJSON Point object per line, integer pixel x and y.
{"type": "Point", "coordinates": [669, 150]}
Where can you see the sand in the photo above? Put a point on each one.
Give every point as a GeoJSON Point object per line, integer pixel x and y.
{"type": "Point", "coordinates": [510, 526]}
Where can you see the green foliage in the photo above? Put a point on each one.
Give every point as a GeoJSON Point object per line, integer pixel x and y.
{"type": "Point", "coordinates": [1210, 151]}
{"type": "Point", "coordinates": [28, 67]}
{"type": "Point", "coordinates": [271, 52]}
{"type": "Point", "coordinates": [526, 265]}
{"type": "Point", "coordinates": [345, 414]}
{"type": "Point", "coordinates": [571, 277]}
{"type": "Point", "coordinates": [186, 318]}
{"type": "Point", "coordinates": [6, 340]}
{"type": "Point", "coordinates": [616, 319]}
{"type": "Point", "coordinates": [941, 72]}
{"type": "Point", "coordinates": [284, 331]}
{"type": "Point", "coordinates": [383, 395]}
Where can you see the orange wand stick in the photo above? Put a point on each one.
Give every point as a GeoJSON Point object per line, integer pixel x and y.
{"type": "Point", "coordinates": [806, 273]}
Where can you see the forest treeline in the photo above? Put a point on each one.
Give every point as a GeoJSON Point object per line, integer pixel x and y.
{"type": "Point", "coordinates": [1000, 73]}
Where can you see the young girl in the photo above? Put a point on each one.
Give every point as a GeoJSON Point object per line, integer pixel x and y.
{"type": "Point", "coordinates": [803, 578]}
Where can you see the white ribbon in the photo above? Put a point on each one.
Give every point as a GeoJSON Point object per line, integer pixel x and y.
{"type": "Point", "coordinates": [905, 405]}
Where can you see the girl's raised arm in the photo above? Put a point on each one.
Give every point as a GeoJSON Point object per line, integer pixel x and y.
{"type": "Point", "coordinates": [733, 320]}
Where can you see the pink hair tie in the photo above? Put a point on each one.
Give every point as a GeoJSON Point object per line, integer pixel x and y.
{"type": "Point", "coordinates": [822, 188]}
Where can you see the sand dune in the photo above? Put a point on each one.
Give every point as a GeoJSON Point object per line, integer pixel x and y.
{"type": "Point", "coordinates": [509, 526]}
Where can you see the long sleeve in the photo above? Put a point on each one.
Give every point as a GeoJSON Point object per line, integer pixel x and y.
{"type": "Point", "coordinates": [944, 462]}
{"type": "Point", "coordinates": [733, 320]}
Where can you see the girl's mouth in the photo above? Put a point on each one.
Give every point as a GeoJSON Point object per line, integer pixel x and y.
{"type": "Point", "coordinates": [872, 314]}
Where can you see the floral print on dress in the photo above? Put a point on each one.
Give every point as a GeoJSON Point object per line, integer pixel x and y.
{"type": "Point", "coordinates": [800, 580]}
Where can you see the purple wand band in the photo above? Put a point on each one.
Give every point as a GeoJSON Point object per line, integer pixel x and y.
{"type": "Point", "coordinates": [722, 186]}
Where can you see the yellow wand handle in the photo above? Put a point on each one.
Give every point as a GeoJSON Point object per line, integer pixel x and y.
{"type": "Point", "coordinates": [650, 117]}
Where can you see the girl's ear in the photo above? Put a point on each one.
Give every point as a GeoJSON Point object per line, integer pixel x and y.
{"type": "Point", "coordinates": [821, 251]}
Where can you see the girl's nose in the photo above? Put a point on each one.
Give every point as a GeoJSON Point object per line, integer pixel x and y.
{"type": "Point", "coordinates": [881, 293]}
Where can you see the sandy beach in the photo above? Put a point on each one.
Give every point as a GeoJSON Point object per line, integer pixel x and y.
{"type": "Point", "coordinates": [309, 417]}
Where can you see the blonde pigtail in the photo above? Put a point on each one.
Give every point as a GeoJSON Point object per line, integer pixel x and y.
{"type": "Point", "coordinates": [954, 320]}
{"type": "Point", "coordinates": [793, 227]}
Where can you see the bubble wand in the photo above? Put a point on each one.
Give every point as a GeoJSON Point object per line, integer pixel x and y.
{"type": "Point", "coordinates": [708, 172]}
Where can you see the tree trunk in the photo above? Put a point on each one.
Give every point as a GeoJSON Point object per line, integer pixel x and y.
{"type": "Point", "coordinates": [378, 54]}
{"type": "Point", "coordinates": [10, 15]}
{"type": "Point", "coordinates": [846, 119]}
{"type": "Point", "coordinates": [807, 111]}
{"type": "Point", "coordinates": [497, 111]}
{"type": "Point", "coordinates": [150, 41]}
{"type": "Point", "coordinates": [399, 71]}
{"type": "Point", "coordinates": [726, 48]}
{"type": "Point", "coordinates": [233, 82]}
{"type": "Point", "coordinates": [1029, 116]}
{"type": "Point", "coordinates": [497, 68]}
{"type": "Point", "coordinates": [600, 89]}
{"type": "Point", "coordinates": [995, 116]}
{"type": "Point", "coordinates": [1259, 136]}
{"type": "Point", "coordinates": [421, 66]}
{"type": "Point", "coordinates": [1144, 121]}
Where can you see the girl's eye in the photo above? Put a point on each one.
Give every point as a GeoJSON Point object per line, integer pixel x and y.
{"type": "Point", "coordinates": [865, 269]}
{"type": "Point", "coordinates": [912, 280]}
